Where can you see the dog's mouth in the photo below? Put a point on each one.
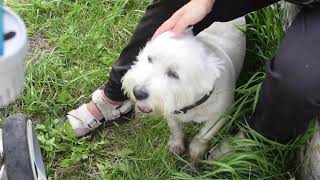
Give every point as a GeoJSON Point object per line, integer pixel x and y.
{"type": "Point", "coordinates": [144, 109]}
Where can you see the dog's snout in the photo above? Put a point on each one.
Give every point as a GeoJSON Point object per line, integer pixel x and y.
{"type": "Point", "coordinates": [140, 93]}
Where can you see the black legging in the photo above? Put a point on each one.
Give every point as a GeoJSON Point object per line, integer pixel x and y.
{"type": "Point", "coordinates": [290, 95]}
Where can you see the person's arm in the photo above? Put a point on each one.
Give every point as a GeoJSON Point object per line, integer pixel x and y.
{"type": "Point", "coordinates": [202, 13]}
{"type": "Point", "coordinates": [227, 10]}
{"type": "Point", "coordinates": [309, 3]}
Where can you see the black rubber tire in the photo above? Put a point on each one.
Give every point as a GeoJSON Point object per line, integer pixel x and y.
{"type": "Point", "coordinates": [15, 147]}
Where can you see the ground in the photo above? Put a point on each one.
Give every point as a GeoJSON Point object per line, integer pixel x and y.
{"type": "Point", "coordinates": [74, 43]}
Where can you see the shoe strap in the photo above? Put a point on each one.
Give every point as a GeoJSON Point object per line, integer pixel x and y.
{"type": "Point", "coordinates": [84, 115]}
{"type": "Point", "coordinates": [110, 111]}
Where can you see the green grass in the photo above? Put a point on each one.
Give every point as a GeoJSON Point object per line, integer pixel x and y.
{"type": "Point", "coordinates": [74, 43]}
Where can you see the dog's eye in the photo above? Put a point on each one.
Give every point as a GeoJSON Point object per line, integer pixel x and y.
{"type": "Point", "coordinates": [172, 74]}
{"type": "Point", "coordinates": [149, 59]}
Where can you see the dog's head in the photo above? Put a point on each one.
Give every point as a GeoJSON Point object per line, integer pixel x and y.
{"type": "Point", "coordinates": [170, 73]}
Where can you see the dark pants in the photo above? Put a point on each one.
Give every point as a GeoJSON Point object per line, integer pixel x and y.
{"type": "Point", "coordinates": [290, 95]}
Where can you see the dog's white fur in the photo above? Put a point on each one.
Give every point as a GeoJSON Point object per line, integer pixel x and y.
{"type": "Point", "coordinates": [213, 59]}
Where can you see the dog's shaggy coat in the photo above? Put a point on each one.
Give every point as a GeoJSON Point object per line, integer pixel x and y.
{"type": "Point", "coordinates": [174, 72]}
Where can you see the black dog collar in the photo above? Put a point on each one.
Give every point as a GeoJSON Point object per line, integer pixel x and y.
{"type": "Point", "coordinates": [197, 103]}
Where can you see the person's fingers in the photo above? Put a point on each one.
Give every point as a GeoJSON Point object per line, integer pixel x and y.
{"type": "Point", "coordinates": [181, 26]}
{"type": "Point", "coordinates": [169, 24]}
{"type": "Point", "coordinates": [164, 27]}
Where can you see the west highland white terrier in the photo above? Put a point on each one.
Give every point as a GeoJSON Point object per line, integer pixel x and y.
{"type": "Point", "coordinates": [189, 78]}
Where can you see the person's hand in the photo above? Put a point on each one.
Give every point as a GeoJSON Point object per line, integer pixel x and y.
{"type": "Point", "coordinates": [190, 14]}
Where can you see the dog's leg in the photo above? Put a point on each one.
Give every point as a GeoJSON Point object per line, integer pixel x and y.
{"type": "Point", "coordinates": [199, 144]}
{"type": "Point", "coordinates": [176, 139]}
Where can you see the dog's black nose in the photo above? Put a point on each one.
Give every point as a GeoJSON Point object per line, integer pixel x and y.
{"type": "Point", "coordinates": [140, 93]}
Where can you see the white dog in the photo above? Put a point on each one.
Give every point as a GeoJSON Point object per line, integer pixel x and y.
{"type": "Point", "coordinates": [187, 79]}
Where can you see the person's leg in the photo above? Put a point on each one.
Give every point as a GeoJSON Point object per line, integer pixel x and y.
{"type": "Point", "coordinates": [290, 94]}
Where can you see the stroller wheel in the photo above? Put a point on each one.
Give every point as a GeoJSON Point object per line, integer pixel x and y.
{"type": "Point", "coordinates": [22, 155]}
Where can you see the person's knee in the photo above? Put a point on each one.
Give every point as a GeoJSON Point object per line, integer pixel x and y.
{"type": "Point", "coordinates": [296, 78]}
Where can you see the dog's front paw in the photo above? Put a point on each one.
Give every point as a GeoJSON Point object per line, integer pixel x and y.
{"type": "Point", "coordinates": [176, 147]}
{"type": "Point", "coordinates": [197, 149]}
